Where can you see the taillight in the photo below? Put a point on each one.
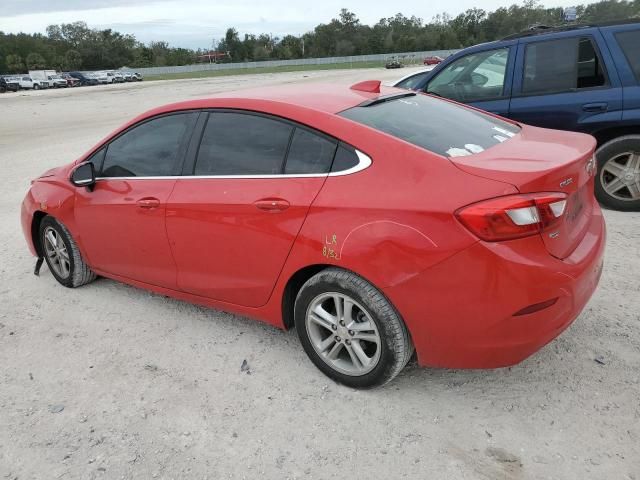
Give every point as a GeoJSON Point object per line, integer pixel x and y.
{"type": "Point", "coordinates": [513, 216]}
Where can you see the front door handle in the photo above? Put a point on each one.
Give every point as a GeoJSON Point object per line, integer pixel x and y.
{"type": "Point", "coordinates": [595, 107]}
{"type": "Point", "coordinates": [148, 202]}
{"type": "Point", "coordinates": [272, 204]}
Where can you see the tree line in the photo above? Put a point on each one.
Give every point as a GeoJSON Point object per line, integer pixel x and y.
{"type": "Point", "coordinates": [75, 46]}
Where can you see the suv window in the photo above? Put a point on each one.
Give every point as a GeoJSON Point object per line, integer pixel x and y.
{"type": "Point", "coordinates": [309, 153]}
{"type": "Point", "coordinates": [412, 81]}
{"type": "Point", "coordinates": [436, 125]}
{"type": "Point", "coordinates": [242, 144]}
{"type": "Point", "coordinates": [475, 77]}
{"type": "Point", "coordinates": [150, 149]}
{"type": "Point", "coordinates": [630, 44]}
{"type": "Point", "coordinates": [562, 65]}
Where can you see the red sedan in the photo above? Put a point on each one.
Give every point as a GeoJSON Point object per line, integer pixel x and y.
{"type": "Point", "coordinates": [433, 60]}
{"type": "Point", "coordinates": [375, 221]}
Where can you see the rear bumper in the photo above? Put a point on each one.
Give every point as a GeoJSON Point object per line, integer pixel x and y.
{"type": "Point", "coordinates": [461, 312]}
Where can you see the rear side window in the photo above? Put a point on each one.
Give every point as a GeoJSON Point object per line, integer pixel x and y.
{"type": "Point", "coordinates": [435, 125]}
{"type": "Point", "coordinates": [150, 149]}
{"type": "Point", "coordinates": [309, 153]}
{"type": "Point", "coordinates": [242, 144]}
{"type": "Point", "coordinates": [630, 44]}
{"type": "Point", "coordinates": [345, 158]}
{"type": "Point", "coordinates": [562, 65]}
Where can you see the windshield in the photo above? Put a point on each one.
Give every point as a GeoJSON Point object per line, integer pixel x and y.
{"type": "Point", "coordinates": [436, 125]}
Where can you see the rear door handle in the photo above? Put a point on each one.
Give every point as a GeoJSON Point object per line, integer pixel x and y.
{"type": "Point", "coordinates": [149, 202]}
{"type": "Point", "coordinates": [595, 107]}
{"type": "Point", "coordinates": [272, 204]}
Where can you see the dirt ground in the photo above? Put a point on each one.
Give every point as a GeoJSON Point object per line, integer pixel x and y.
{"type": "Point", "coordinates": [108, 381]}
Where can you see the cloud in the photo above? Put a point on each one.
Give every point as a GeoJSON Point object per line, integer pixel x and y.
{"type": "Point", "coordinates": [12, 8]}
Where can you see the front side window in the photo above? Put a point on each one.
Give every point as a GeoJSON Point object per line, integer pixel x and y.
{"type": "Point", "coordinates": [411, 82]}
{"type": "Point", "coordinates": [242, 144]}
{"type": "Point", "coordinates": [150, 149]}
{"type": "Point", "coordinates": [562, 65]}
{"type": "Point", "coordinates": [630, 44]}
{"type": "Point", "coordinates": [436, 125]}
{"type": "Point", "coordinates": [475, 77]}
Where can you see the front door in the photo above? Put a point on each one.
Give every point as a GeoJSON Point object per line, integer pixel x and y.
{"type": "Point", "coordinates": [122, 221]}
{"type": "Point", "coordinates": [482, 79]}
{"type": "Point", "coordinates": [233, 220]}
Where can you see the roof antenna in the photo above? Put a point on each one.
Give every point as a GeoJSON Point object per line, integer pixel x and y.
{"type": "Point", "coordinates": [372, 86]}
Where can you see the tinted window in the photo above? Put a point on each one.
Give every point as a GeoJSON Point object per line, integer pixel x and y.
{"type": "Point", "coordinates": [475, 77]}
{"type": "Point", "coordinates": [345, 159]}
{"type": "Point", "coordinates": [436, 125]}
{"type": "Point", "coordinates": [412, 81]}
{"type": "Point", "coordinates": [630, 44]}
{"type": "Point", "coordinates": [150, 149]}
{"type": "Point", "coordinates": [561, 65]}
{"type": "Point", "coordinates": [242, 144]}
{"type": "Point", "coordinates": [309, 153]}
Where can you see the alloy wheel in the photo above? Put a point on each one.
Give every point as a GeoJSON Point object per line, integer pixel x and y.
{"type": "Point", "coordinates": [620, 176]}
{"type": "Point", "coordinates": [343, 334]}
{"type": "Point", "coordinates": [57, 253]}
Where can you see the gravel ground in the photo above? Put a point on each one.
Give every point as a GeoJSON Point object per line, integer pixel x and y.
{"type": "Point", "coordinates": [108, 381]}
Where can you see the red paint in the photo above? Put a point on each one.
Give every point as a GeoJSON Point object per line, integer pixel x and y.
{"type": "Point", "coordinates": [234, 244]}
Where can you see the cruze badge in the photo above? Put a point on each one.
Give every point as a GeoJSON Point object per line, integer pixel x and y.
{"type": "Point", "coordinates": [566, 182]}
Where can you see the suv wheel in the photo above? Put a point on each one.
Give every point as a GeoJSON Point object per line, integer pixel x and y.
{"type": "Point", "coordinates": [618, 178]}
{"type": "Point", "coordinates": [349, 329]}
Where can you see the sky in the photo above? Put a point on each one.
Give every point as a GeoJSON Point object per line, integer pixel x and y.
{"type": "Point", "coordinates": [196, 23]}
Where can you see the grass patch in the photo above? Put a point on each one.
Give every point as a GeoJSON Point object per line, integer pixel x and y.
{"type": "Point", "coordinates": [254, 70]}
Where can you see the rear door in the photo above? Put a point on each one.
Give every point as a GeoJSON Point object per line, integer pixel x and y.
{"type": "Point", "coordinates": [566, 83]}
{"type": "Point", "coordinates": [624, 44]}
{"type": "Point", "coordinates": [481, 78]}
{"type": "Point", "coordinates": [122, 221]}
{"type": "Point", "coordinates": [234, 215]}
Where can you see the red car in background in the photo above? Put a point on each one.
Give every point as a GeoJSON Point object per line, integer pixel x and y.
{"type": "Point", "coordinates": [433, 60]}
{"type": "Point", "coordinates": [71, 81]}
{"type": "Point", "coordinates": [374, 220]}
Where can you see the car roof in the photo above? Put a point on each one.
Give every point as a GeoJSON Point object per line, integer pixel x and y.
{"type": "Point", "coordinates": [328, 98]}
{"type": "Point", "coordinates": [547, 30]}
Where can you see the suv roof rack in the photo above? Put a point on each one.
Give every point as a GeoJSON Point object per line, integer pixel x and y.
{"type": "Point", "coordinates": [545, 29]}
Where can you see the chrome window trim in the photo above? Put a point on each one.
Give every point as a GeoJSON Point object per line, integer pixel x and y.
{"type": "Point", "coordinates": [364, 163]}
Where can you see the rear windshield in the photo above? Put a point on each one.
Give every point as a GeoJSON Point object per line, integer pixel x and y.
{"type": "Point", "coordinates": [435, 125]}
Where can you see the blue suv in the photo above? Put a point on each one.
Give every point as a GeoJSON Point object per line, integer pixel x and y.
{"type": "Point", "coordinates": [583, 78]}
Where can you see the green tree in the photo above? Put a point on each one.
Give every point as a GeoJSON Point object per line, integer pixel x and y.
{"type": "Point", "coordinates": [35, 61]}
{"type": "Point", "coordinates": [15, 64]}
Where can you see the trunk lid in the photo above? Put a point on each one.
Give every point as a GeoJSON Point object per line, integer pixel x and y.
{"type": "Point", "coordinates": [540, 160]}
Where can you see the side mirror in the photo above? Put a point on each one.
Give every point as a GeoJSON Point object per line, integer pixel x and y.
{"type": "Point", "coordinates": [84, 175]}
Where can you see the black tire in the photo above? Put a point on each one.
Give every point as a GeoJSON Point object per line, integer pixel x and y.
{"type": "Point", "coordinates": [606, 153]}
{"type": "Point", "coordinates": [79, 272]}
{"type": "Point", "coordinates": [36, 86]}
{"type": "Point", "coordinates": [396, 347]}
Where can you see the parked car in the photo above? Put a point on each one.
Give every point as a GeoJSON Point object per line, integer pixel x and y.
{"type": "Point", "coordinates": [137, 77]}
{"type": "Point", "coordinates": [71, 81]}
{"type": "Point", "coordinates": [8, 84]}
{"type": "Point", "coordinates": [41, 78]}
{"type": "Point", "coordinates": [433, 60]}
{"type": "Point", "coordinates": [411, 80]}
{"type": "Point", "coordinates": [84, 79]}
{"type": "Point", "coordinates": [117, 77]}
{"type": "Point", "coordinates": [127, 76]}
{"type": "Point", "coordinates": [583, 78]}
{"type": "Point", "coordinates": [273, 204]}
{"type": "Point", "coordinates": [25, 82]}
{"type": "Point", "coordinates": [56, 81]}
{"type": "Point", "coordinates": [394, 64]}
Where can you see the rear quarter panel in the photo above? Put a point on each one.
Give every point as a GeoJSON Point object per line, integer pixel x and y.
{"type": "Point", "coordinates": [393, 219]}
